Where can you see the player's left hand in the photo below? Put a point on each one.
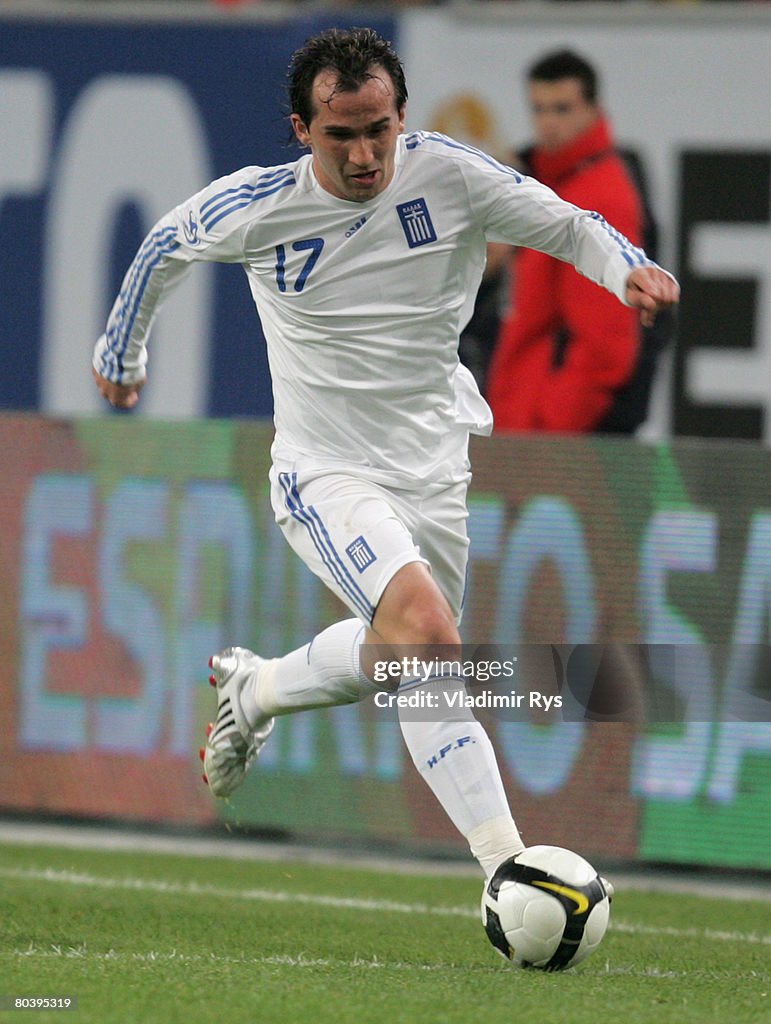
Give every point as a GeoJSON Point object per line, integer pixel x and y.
{"type": "Point", "coordinates": [650, 290]}
{"type": "Point", "coordinates": [118, 395]}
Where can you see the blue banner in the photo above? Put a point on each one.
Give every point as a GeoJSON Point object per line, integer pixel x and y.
{"type": "Point", "coordinates": [106, 126]}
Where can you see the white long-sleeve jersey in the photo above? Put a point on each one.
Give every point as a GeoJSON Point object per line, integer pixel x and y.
{"type": "Point", "coordinates": [362, 304]}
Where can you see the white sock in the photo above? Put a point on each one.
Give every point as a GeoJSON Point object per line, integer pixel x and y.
{"type": "Point", "coordinates": [494, 841]}
{"type": "Point", "coordinates": [453, 753]}
{"type": "Point", "coordinates": [451, 750]}
{"type": "Point", "coordinates": [323, 673]}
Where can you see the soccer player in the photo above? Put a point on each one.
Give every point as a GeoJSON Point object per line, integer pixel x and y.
{"type": "Point", "coordinates": [364, 256]}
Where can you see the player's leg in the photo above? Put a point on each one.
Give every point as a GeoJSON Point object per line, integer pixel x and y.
{"type": "Point", "coordinates": [448, 746]}
{"type": "Point", "coordinates": [359, 540]}
{"type": "Point", "coordinates": [416, 606]}
{"type": "Point", "coordinates": [347, 532]}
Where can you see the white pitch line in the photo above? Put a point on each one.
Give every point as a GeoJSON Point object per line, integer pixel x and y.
{"type": "Point", "coordinates": [172, 956]}
{"type": "Point", "coordinates": [260, 895]}
{"type": "Point", "coordinates": [234, 847]}
{"type": "Point", "coordinates": [230, 847]}
{"type": "Point", "coordinates": [337, 902]}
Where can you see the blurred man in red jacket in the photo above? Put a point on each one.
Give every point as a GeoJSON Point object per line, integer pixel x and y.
{"type": "Point", "coordinates": [569, 358]}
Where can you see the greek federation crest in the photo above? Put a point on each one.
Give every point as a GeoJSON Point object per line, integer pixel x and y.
{"type": "Point", "coordinates": [416, 223]}
{"type": "Point", "coordinates": [361, 554]}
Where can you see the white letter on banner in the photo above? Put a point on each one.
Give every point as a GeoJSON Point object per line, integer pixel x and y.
{"type": "Point", "coordinates": [730, 374]}
{"type": "Point", "coordinates": [542, 759]}
{"type": "Point", "coordinates": [53, 616]}
{"type": "Point", "coordinates": [127, 139]}
{"type": "Point", "coordinates": [215, 516]}
{"type": "Point", "coordinates": [26, 113]}
{"type": "Point", "coordinates": [136, 511]}
{"type": "Point", "coordinates": [486, 521]}
{"type": "Point", "coordinates": [676, 541]}
{"type": "Point", "coordinates": [752, 629]}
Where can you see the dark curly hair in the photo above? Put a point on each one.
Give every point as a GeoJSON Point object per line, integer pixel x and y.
{"type": "Point", "coordinates": [566, 64]}
{"type": "Point", "coordinates": [353, 54]}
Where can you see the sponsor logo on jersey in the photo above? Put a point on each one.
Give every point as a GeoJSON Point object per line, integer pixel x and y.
{"type": "Point", "coordinates": [361, 554]}
{"type": "Point", "coordinates": [355, 227]}
{"type": "Point", "coordinates": [191, 230]}
{"type": "Point", "coordinates": [416, 222]}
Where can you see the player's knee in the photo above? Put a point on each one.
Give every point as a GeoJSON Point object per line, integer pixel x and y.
{"type": "Point", "coordinates": [414, 611]}
{"type": "Point", "coordinates": [426, 621]}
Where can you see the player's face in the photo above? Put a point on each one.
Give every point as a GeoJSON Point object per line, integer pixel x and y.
{"type": "Point", "coordinates": [352, 135]}
{"type": "Point", "coordinates": [560, 112]}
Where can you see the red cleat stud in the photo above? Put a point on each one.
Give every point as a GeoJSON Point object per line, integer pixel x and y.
{"type": "Point", "coordinates": [201, 753]}
{"type": "Point", "coordinates": [212, 680]}
{"type": "Point", "coordinates": [209, 728]}
{"type": "Point", "coordinates": [205, 779]}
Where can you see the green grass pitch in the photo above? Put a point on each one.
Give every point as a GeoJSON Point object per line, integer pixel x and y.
{"type": "Point", "coordinates": [161, 939]}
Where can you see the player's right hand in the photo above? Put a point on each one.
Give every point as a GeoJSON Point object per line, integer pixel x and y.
{"type": "Point", "coordinates": [121, 396]}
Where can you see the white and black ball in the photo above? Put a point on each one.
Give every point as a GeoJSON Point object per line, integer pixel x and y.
{"type": "Point", "coordinates": [546, 908]}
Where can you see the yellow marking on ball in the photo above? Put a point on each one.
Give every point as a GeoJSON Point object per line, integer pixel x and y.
{"type": "Point", "coordinates": [581, 901]}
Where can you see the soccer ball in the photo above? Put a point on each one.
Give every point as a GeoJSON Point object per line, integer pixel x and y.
{"type": "Point", "coordinates": [546, 908]}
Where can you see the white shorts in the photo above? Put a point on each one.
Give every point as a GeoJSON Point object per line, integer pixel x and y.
{"type": "Point", "coordinates": [355, 535]}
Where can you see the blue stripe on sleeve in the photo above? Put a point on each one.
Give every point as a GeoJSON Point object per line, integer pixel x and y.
{"type": "Point", "coordinates": [634, 256]}
{"type": "Point", "coordinates": [418, 138]}
{"type": "Point", "coordinates": [232, 199]}
{"type": "Point", "coordinates": [159, 244]}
